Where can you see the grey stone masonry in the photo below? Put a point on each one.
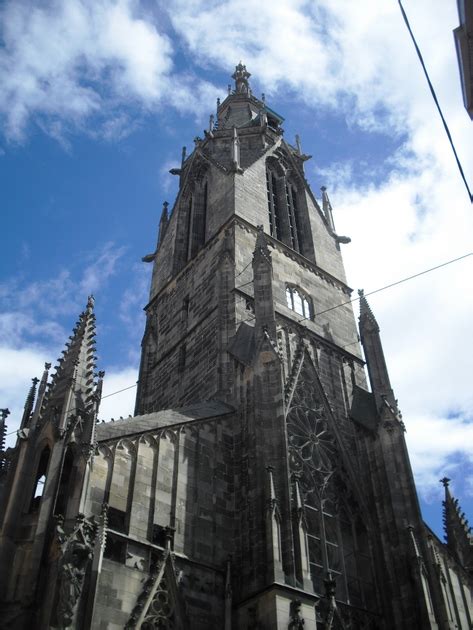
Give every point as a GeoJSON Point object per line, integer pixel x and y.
{"type": "Point", "coordinates": [260, 484]}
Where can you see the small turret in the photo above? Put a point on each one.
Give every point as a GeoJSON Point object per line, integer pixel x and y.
{"type": "Point", "coordinates": [457, 531]}
{"type": "Point", "coordinates": [327, 208]}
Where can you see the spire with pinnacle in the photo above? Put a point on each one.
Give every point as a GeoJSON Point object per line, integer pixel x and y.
{"type": "Point", "coordinates": [373, 349]}
{"type": "Point", "coordinates": [457, 531]}
{"type": "Point", "coordinates": [28, 409]}
{"type": "Point", "coordinates": [4, 413]}
{"type": "Point", "coordinates": [367, 319]}
{"type": "Point", "coordinates": [71, 392]}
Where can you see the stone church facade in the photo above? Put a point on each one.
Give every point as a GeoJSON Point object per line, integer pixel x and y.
{"type": "Point", "coordinates": [261, 483]}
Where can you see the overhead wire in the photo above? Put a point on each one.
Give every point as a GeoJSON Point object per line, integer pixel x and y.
{"type": "Point", "coordinates": [436, 101]}
{"type": "Point", "coordinates": [387, 286]}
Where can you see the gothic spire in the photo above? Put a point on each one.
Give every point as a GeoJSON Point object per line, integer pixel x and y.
{"type": "Point", "coordinates": [29, 402]}
{"type": "Point", "coordinates": [4, 413]}
{"type": "Point", "coordinates": [40, 397]}
{"type": "Point", "coordinates": [72, 388]}
{"type": "Point", "coordinates": [373, 349]}
{"type": "Point", "coordinates": [457, 531]}
{"type": "Point", "coordinates": [367, 318]}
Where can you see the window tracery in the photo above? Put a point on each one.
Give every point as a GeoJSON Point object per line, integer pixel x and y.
{"type": "Point", "coordinates": [336, 536]}
{"type": "Point", "coordinates": [283, 205]}
{"type": "Point", "coordinates": [274, 209]}
{"type": "Point", "coordinates": [299, 302]}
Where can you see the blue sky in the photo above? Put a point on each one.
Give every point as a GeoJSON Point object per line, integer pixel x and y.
{"type": "Point", "coordinates": [98, 99]}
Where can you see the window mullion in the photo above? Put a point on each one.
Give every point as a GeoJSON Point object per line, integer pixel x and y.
{"type": "Point", "coordinates": [271, 210]}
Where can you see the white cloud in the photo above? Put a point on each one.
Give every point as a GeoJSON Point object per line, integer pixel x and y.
{"type": "Point", "coordinates": [442, 454]}
{"type": "Point", "coordinates": [30, 328]}
{"type": "Point", "coordinates": [101, 268]}
{"type": "Point", "coordinates": [63, 62]}
{"type": "Point", "coordinates": [17, 368]}
{"type": "Point", "coordinates": [19, 365]}
{"type": "Point", "coordinates": [123, 403]}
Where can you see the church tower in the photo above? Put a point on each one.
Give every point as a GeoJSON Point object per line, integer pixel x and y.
{"type": "Point", "coordinates": [261, 483]}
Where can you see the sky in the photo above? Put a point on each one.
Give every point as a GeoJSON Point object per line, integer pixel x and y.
{"type": "Point", "coordinates": [99, 97]}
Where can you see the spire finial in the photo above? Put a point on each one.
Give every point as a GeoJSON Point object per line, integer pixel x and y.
{"type": "Point", "coordinates": [90, 302]}
{"type": "Point", "coordinates": [445, 481]}
{"type": "Point", "coordinates": [241, 76]}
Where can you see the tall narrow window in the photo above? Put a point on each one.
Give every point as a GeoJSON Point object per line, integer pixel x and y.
{"type": "Point", "coordinates": [293, 217]}
{"type": "Point", "coordinates": [204, 215]}
{"type": "Point", "coordinates": [64, 484]}
{"type": "Point", "coordinates": [40, 480]}
{"type": "Point", "coordinates": [190, 212]}
{"type": "Point", "coordinates": [273, 205]}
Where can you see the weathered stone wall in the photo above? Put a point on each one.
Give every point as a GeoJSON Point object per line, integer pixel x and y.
{"type": "Point", "coordinates": [186, 353]}
{"type": "Point", "coordinates": [180, 477]}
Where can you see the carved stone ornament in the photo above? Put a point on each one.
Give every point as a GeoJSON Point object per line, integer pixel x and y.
{"type": "Point", "coordinates": [296, 621]}
{"type": "Point", "coordinates": [76, 552]}
{"type": "Point", "coordinates": [161, 611]}
{"type": "Point", "coordinates": [160, 605]}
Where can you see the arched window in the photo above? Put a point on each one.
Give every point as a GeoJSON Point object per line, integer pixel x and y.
{"type": "Point", "coordinates": [299, 302]}
{"type": "Point", "coordinates": [196, 226]}
{"type": "Point", "coordinates": [285, 221]}
{"type": "Point", "coordinates": [40, 480]}
{"type": "Point", "coordinates": [295, 232]}
{"type": "Point", "coordinates": [64, 484]}
{"type": "Point", "coordinates": [190, 219]}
